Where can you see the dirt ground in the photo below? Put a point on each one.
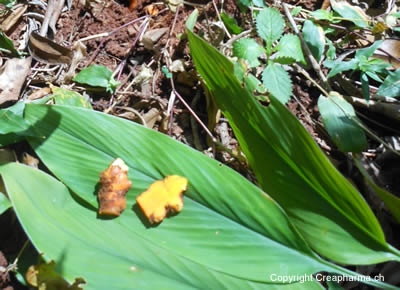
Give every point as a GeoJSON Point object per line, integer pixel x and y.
{"type": "Point", "coordinates": [97, 17]}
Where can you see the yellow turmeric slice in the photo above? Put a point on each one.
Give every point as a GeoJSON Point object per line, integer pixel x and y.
{"type": "Point", "coordinates": [114, 187]}
{"type": "Point", "coordinates": [163, 196]}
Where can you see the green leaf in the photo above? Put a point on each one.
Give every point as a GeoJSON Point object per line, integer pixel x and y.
{"type": "Point", "coordinates": [314, 36]}
{"type": "Point", "coordinates": [69, 98]}
{"type": "Point", "coordinates": [243, 5]}
{"type": "Point", "coordinates": [254, 85]}
{"type": "Point", "coordinates": [336, 114]}
{"type": "Point", "coordinates": [248, 49]}
{"type": "Point", "coordinates": [328, 211]}
{"type": "Point", "coordinates": [4, 203]}
{"type": "Point", "coordinates": [331, 53]}
{"type": "Point", "coordinates": [7, 44]}
{"type": "Point", "coordinates": [295, 11]}
{"type": "Point", "coordinates": [322, 14]}
{"type": "Point", "coordinates": [290, 46]}
{"type": "Point", "coordinates": [277, 81]}
{"type": "Point", "coordinates": [240, 70]}
{"type": "Point", "coordinates": [259, 3]}
{"type": "Point", "coordinates": [191, 20]}
{"type": "Point", "coordinates": [352, 13]}
{"type": "Point", "coordinates": [365, 86]}
{"type": "Point", "coordinates": [391, 85]}
{"type": "Point", "coordinates": [166, 72]}
{"type": "Point", "coordinates": [12, 125]}
{"type": "Point", "coordinates": [97, 76]}
{"type": "Point", "coordinates": [341, 66]}
{"type": "Point", "coordinates": [270, 25]}
{"type": "Point", "coordinates": [213, 233]}
{"type": "Point", "coordinates": [8, 3]}
{"type": "Point", "coordinates": [368, 51]}
{"type": "Point", "coordinates": [391, 201]}
{"type": "Point", "coordinates": [230, 24]}
{"type": "Point", "coordinates": [204, 245]}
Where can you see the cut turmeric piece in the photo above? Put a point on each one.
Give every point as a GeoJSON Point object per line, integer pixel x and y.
{"type": "Point", "coordinates": [114, 187]}
{"type": "Point", "coordinates": [163, 196]}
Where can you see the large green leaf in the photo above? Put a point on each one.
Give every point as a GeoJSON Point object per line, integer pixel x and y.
{"type": "Point", "coordinates": [329, 212]}
{"type": "Point", "coordinates": [121, 253]}
{"type": "Point", "coordinates": [222, 224]}
{"type": "Point", "coordinates": [4, 203]}
{"type": "Point", "coordinates": [337, 115]}
{"type": "Point", "coordinates": [391, 201]}
{"type": "Point", "coordinates": [77, 145]}
{"type": "Point", "coordinates": [12, 124]}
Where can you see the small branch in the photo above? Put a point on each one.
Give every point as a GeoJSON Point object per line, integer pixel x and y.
{"type": "Point", "coordinates": [219, 18]}
{"type": "Point", "coordinates": [307, 51]}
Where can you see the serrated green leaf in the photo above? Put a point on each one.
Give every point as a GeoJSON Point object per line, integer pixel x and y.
{"type": "Point", "coordinates": [270, 25]}
{"type": "Point", "coordinates": [277, 81]}
{"type": "Point", "coordinates": [69, 98]}
{"type": "Point", "coordinates": [336, 115]}
{"type": "Point", "coordinates": [290, 46]}
{"type": "Point", "coordinates": [230, 24]}
{"type": "Point", "coordinates": [321, 14]}
{"type": "Point", "coordinates": [97, 76]}
{"type": "Point", "coordinates": [314, 36]}
{"type": "Point", "coordinates": [391, 85]}
{"type": "Point", "coordinates": [352, 13]}
{"type": "Point", "coordinates": [342, 66]}
{"type": "Point", "coordinates": [248, 49]}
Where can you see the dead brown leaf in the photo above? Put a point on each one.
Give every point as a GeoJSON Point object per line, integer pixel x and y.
{"type": "Point", "coordinates": [12, 77]}
{"type": "Point", "coordinates": [47, 51]}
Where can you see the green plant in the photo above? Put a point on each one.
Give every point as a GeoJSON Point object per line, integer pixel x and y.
{"type": "Point", "coordinates": [97, 76]}
{"type": "Point", "coordinates": [8, 3]}
{"type": "Point", "coordinates": [362, 62]}
{"type": "Point", "coordinates": [226, 219]}
{"type": "Point", "coordinates": [270, 25]}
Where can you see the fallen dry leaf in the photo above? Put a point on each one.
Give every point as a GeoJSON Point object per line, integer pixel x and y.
{"type": "Point", "coordinates": [12, 77]}
{"type": "Point", "coordinates": [391, 46]}
{"type": "Point", "coordinates": [47, 51]}
{"type": "Point", "coordinates": [114, 187]}
{"type": "Point", "coordinates": [13, 18]}
{"type": "Point", "coordinates": [44, 277]}
{"type": "Point", "coordinates": [163, 196]}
